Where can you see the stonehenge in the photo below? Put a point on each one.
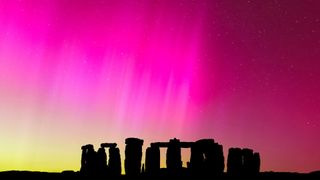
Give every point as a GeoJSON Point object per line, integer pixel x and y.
{"type": "Point", "coordinates": [206, 159]}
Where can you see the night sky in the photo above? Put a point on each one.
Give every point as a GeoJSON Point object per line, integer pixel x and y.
{"type": "Point", "coordinates": [72, 72]}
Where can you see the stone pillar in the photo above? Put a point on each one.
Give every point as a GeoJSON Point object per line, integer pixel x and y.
{"type": "Point", "coordinates": [133, 157]}
{"type": "Point", "coordinates": [152, 160]}
{"type": "Point", "coordinates": [213, 159]}
{"type": "Point", "coordinates": [209, 157]}
{"type": "Point", "coordinates": [256, 163]}
{"type": "Point", "coordinates": [83, 159]}
{"type": "Point", "coordinates": [174, 163]}
{"type": "Point", "coordinates": [234, 164]}
{"type": "Point", "coordinates": [114, 161]}
{"type": "Point", "coordinates": [247, 161]}
{"type": "Point", "coordinates": [218, 159]}
{"type": "Point", "coordinates": [101, 161]}
{"type": "Point", "coordinates": [196, 159]}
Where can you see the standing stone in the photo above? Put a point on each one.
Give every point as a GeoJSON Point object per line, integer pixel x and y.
{"type": "Point", "coordinates": [247, 161]}
{"type": "Point", "coordinates": [101, 161]}
{"type": "Point", "coordinates": [152, 160]}
{"type": "Point", "coordinates": [256, 163]}
{"type": "Point", "coordinates": [114, 161]}
{"type": "Point", "coordinates": [133, 157]}
{"type": "Point", "coordinates": [174, 163]}
{"type": "Point", "coordinates": [219, 159]}
{"type": "Point", "coordinates": [196, 159]}
{"type": "Point", "coordinates": [234, 164]}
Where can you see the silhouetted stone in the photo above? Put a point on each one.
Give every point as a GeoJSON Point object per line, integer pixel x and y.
{"type": "Point", "coordinates": [108, 145]}
{"type": "Point", "coordinates": [219, 159]}
{"type": "Point", "coordinates": [88, 160]}
{"type": "Point", "coordinates": [256, 163]}
{"type": "Point", "coordinates": [133, 157]}
{"type": "Point", "coordinates": [174, 163]}
{"type": "Point", "coordinates": [101, 161]}
{"type": "Point", "coordinates": [243, 162]}
{"type": "Point", "coordinates": [152, 160]}
{"type": "Point", "coordinates": [196, 164]}
{"type": "Point", "coordinates": [114, 164]}
{"type": "Point", "coordinates": [114, 161]}
{"type": "Point", "coordinates": [206, 158]}
{"type": "Point", "coordinates": [247, 161]}
{"type": "Point", "coordinates": [83, 158]}
{"type": "Point", "coordinates": [234, 162]}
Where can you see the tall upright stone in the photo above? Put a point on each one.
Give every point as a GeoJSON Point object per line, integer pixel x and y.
{"type": "Point", "coordinates": [114, 161]}
{"type": "Point", "coordinates": [209, 149]}
{"type": "Point", "coordinates": [256, 163]}
{"type": "Point", "coordinates": [152, 160]}
{"type": "Point", "coordinates": [174, 163]}
{"type": "Point", "coordinates": [101, 161]}
{"type": "Point", "coordinates": [133, 157]}
{"type": "Point", "coordinates": [196, 159]}
{"type": "Point", "coordinates": [247, 161]}
{"type": "Point", "coordinates": [234, 162]}
{"type": "Point", "coordinates": [83, 159]}
{"type": "Point", "coordinates": [219, 159]}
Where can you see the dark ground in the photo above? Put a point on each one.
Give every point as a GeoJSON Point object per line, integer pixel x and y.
{"type": "Point", "coordinates": [75, 175]}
